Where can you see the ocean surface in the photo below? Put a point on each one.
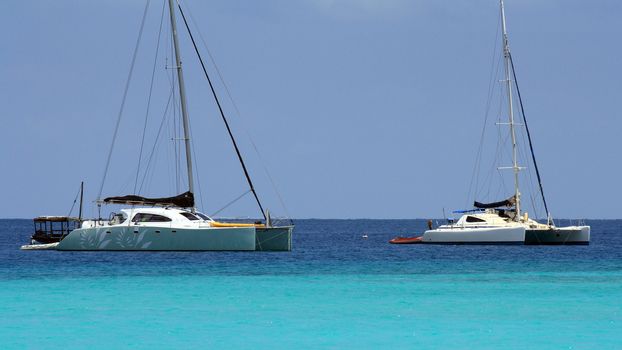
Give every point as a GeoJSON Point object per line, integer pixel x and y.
{"type": "Point", "coordinates": [335, 290]}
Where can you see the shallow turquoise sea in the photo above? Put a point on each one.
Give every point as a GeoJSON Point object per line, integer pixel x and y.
{"type": "Point", "coordinates": [335, 290]}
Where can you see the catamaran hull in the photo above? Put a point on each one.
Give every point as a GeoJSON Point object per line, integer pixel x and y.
{"type": "Point", "coordinates": [159, 239]}
{"type": "Point", "coordinates": [274, 239]}
{"type": "Point", "coordinates": [573, 235]}
{"type": "Point", "coordinates": [459, 235]}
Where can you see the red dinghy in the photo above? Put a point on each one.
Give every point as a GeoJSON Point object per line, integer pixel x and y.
{"type": "Point", "coordinates": [406, 240]}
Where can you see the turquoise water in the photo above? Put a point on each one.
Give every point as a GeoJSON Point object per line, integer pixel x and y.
{"type": "Point", "coordinates": [335, 290]}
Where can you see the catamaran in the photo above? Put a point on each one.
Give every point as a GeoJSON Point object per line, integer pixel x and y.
{"type": "Point", "coordinates": [167, 223]}
{"type": "Point", "coordinates": [505, 222]}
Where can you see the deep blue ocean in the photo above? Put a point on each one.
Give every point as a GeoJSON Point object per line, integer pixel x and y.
{"type": "Point", "coordinates": [335, 290]}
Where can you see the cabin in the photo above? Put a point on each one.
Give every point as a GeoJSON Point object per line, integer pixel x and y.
{"type": "Point", "coordinates": [50, 229]}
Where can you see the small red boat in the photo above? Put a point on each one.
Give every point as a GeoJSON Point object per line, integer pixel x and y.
{"type": "Point", "coordinates": [406, 240]}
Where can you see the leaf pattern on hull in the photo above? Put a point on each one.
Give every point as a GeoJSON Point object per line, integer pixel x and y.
{"type": "Point", "coordinates": [114, 238]}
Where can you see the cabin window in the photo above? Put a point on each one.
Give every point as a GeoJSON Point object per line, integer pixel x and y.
{"type": "Point", "coordinates": [474, 219]}
{"type": "Point", "coordinates": [144, 217]}
{"type": "Point", "coordinates": [116, 219]}
{"type": "Point", "coordinates": [190, 216]}
{"type": "Point", "coordinates": [203, 216]}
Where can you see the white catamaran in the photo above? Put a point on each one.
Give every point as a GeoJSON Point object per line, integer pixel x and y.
{"type": "Point", "coordinates": [505, 222]}
{"type": "Point", "coordinates": [170, 223]}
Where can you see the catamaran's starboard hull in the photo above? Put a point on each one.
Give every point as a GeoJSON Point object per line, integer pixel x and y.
{"type": "Point", "coordinates": [274, 238]}
{"type": "Point", "coordinates": [132, 238]}
{"type": "Point", "coordinates": [459, 235]}
{"type": "Point", "coordinates": [573, 235]}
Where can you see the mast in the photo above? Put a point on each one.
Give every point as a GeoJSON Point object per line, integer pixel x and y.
{"type": "Point", "coordinates": [508, 81]}
{"type": "Point", "coordinates": [182, 97]}
{"type": "Point", "coordinates": [81, 199]}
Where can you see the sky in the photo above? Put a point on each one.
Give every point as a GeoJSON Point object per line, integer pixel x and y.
{"type": "Point", "coordinates": [358, 108]}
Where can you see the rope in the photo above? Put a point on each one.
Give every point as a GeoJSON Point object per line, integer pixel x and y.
{"type": "Point", "coordinates": [478, 157]}
{"type": "Point", "coordinates": [230, 203]}
{"type": "Point", "coordinates": [127, 86]}
{"type": "Point", "coordinates": [168, 103]}
{"type": "Point", "coordinates": [533, 155]}
{"type": "Point", "coordinates": [74, 201]}
{"type": "Point", "coordinates": [196, 167]}
{"type": "Point", "coordinates": [222, 114]}
{"type": "Point", "coordinates": [155, 60]}
{"type": "Point", "coordinates": [237, 112]}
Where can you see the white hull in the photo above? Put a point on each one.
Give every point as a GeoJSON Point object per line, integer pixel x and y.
{"type": "Point", "coordinates": [49, 246]}
{"type": "Point", "coordinates": [159, 238]}
{"type": "Point", "coordinates": [475, 235]}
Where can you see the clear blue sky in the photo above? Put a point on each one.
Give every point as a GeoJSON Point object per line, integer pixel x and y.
{"type": "Point", "coordinates": [360, 108]}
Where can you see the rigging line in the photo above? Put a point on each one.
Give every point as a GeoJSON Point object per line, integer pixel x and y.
{"type": "Point", "coordinates": [172, 128]}
{"type": "Point", "coordinates": [127, 86]}
{"type": "Point", "coordinates": [177, 133]}
{"type": "Point", "coordinates": [237, 112]}
{"type": "Point", "coordinates": [497, 161]}
{"type": "Point", "coordinates": [198, 181]}
{"type": "Point", "coordinates": [174, 162]}
{"type": "Point", "coordinates": [502, 143]}
{"type": "Point", "coordinates": [488, 179]}
{"type": "Point", "coordinates": [222, 114]}
{"type": "Point", "coordinates": [74, 202]}
{"type": "Point", "coordinates": [196, 167]}
{"type": "Point", "coordinates": [174, 121]}
{"type": "Point", "coordinates": [478, 163]}
{"type": "Point", "coordinates": [527, 179]}
{"type": "Point", "coordinates": [155, 145]}
{"type": "Point", "coordinates": [523, 151]}
{"type": "Point", "coordinates": [156, 141]}
{"type": "Point", "coordinates": [533, 156]}
{"type": "Point", "coordinates": [176, 149]}
{"type": "Point", "coordinates": [494, 68]}
{"type": "Point", "coordinates": [230, 203]}
{"type": "Point", "coordinates": [155, 60]}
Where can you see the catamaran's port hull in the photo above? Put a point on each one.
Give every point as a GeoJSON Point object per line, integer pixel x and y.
{"type": "Point", "coordinates": [574, 235]}
{"type": "Point", "coordinates": [274, 238]}
{"type": "Point", "coordinates": [459, 235]}
{"type": "Point", "coordinates": [132, 238]}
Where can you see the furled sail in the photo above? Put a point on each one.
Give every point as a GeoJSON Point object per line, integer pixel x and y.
{"type": "Point", "coordinates": [184, 200]}
{"type": "Point", "coordinates": [504, 203]}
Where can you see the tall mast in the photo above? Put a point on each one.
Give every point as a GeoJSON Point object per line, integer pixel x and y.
{"type": "Point", "coordinates": [508, 81]}
{"type": "Point", "coordinates": [182, 97]}
{"type": "Point", "coordinates": [81, 199]}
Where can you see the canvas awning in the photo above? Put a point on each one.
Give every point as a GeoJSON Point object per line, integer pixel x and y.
{"type": "Point", "coordinates": [184, 200]}
{"type": "Point", "coordinates": [504, 203]}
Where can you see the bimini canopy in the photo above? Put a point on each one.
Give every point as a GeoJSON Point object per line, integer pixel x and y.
{"type": "Point", "coordinates": [184, 200]}
{"type": "Point", "coordinates": [55, 219]}
{"type": "Point", "coordinates": [504, 203]}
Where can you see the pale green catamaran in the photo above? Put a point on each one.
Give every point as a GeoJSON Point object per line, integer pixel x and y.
{"type": "Point", "coordinates": [170, 223]}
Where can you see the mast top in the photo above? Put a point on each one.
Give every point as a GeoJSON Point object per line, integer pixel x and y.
{"type": "Point", "coordinates": [506, 43]}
